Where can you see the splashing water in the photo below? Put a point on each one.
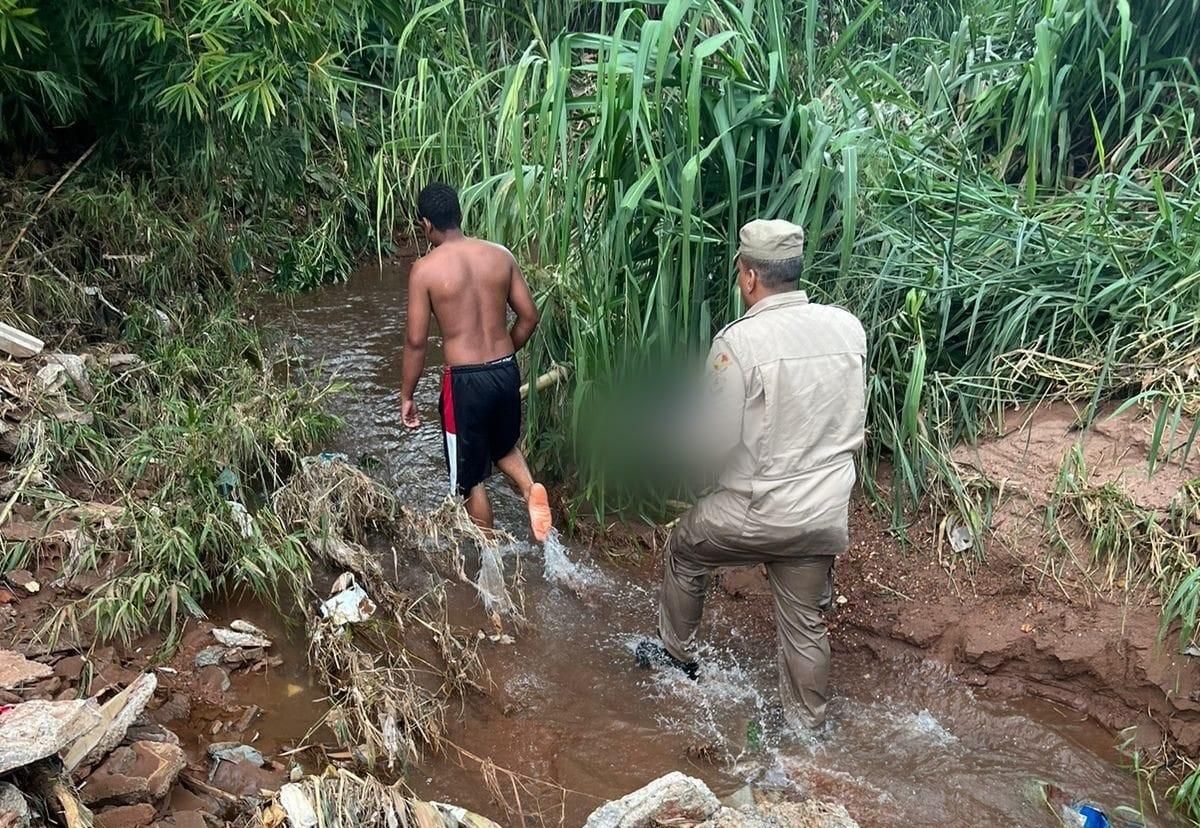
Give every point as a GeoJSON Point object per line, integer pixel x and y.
{"type": "Point", "coordinates": [490, 581]}
{"type": "Point", "coordinates": [560, 569]}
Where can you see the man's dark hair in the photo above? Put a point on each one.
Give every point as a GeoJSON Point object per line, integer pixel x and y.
{"type": "Point", "coordinates": [439, 203]}
{"type": "Point", "coordinates": [776, 275]}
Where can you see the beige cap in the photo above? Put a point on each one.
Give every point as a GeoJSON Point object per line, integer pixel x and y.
{"type": "Point", "coordinates": [771, 240]}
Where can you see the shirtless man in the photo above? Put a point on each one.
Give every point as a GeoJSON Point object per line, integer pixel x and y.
{"type": "Point", "coordinates": [468, 285]}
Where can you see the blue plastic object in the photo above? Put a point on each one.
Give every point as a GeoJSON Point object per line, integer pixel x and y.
{"type": "Point", "coordinates": [1092, 817]}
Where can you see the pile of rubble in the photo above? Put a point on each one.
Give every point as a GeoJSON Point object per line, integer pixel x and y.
{"type": "Point", "coordinates": [99, 760]}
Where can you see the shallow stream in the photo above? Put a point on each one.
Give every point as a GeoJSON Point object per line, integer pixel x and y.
{"type": "Point", "coordinates": [908, 746]}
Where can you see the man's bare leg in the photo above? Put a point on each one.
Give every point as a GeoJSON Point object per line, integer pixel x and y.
{"type": "Point", "coordinates": [480, 508]}
{"type": "Point", "coordinates": [534, 494]}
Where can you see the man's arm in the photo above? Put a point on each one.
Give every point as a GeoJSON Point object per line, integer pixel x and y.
{"type": "Point", "coordinates": [521, 301]}
{"type": "Point", "coordinates": [416, 338]}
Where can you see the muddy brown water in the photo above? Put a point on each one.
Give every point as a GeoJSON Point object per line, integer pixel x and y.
{"type": "Point", "coordinates": [908, 744]}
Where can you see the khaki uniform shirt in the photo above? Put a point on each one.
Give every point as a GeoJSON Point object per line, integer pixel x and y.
{"type": "Point", "coordinates": [787, 408]}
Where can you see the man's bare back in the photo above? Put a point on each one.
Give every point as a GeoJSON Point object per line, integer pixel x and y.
{"type": "Point", "coordinates": [469, 285]}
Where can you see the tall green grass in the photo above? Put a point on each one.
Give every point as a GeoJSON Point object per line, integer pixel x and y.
{"type": "Point", "coordinates": [993, 258]}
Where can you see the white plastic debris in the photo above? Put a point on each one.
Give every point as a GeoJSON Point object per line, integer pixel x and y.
{"type": "Point", "coordinates": [960, 536]}
{"type": "Point", "coordinates": [18, 343]}
{"type": "Point", "coordinates": [235, 752]}
{"type": "Point", "coordinates": [297, 806]}
{"type": "Point", "coordinates": [245, 523]}
{"type": "Point", "coordinates": [350, 606]}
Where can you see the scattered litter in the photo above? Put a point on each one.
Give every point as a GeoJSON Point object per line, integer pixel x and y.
{"type": "Point", "coordinates": [117, 363]}
{"type": "Point", "coordinates": [234, 752]}
{"type": "Point", "coordinates": [23, 580]}
{"type": "Point", "coordinates": [16, 342]}
{"type": "Point", "coordinates": [241, 517]}
{"type": "Point", "coordinates": [296, 805]}
{"type": "Point", "coordinates": [960, 536]}
{"type": "Point", "coordinates": [76, 369]}
{"type": "Point", "coordinates": [842, 600]}
{"type": "Point", "coordinates": [325, 458]}
{"type": "Point", "coordinates": [227, 482]}
{"type": "Point", "coordinates": [1192, 651]}
{"type": "Point", "coordinates": [343, 582]}
{"type": "Point", "coordinates": [350, 606]}
{"type": "Point", "coordinates": [232, 638]}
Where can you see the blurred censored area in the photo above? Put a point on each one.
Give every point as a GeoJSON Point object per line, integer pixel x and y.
{"type": "Point", "coordinates": [645, 436]}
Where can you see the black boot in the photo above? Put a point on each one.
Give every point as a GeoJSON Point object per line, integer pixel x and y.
{"type": "Point", "coordinates": [651, 653]}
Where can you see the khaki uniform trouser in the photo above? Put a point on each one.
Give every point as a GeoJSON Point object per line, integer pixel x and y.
{"type": "Point", "coordinates": [721, 531]}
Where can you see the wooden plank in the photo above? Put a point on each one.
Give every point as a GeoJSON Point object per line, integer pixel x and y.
{"type": "Point", "coordinates": [18, 343]}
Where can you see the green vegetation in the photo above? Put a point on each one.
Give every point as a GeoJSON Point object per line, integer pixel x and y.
{"type": "Point", "coordinates": [179, 442]}
{"type": "Point", "coordinates": [1006, 192]}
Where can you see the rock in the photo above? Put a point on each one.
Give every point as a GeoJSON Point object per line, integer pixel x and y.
{"type": "Point", "coordinates": [147, 731]}
{"type": "Point", "coordinates": [232, 638]}
{"type": "Point", "coordinates": [23, 581]}
{"type": "Point", "coordinates": [16, 670]}
{"type": "Point", "coordinates": [248, 629]}
{"type": "Point", "coordinates": [125, 816]}
{"type": "Point", "coordinates": [12, 801]}
{"type": "Point", "coordinates": [234, 752]}
{"type": "Point", "coordinates": [112, 676]}
{"type": "Point", "coordinates": [244, 779]}
{"type": "Point", "coordinates": [175, 708]}
{"type": "Point", "coordinates": [742, 797]}
{"type": "Point", "coordinates": [37, 729]}
{"type": "Point", "coordinates": [142, 772]}
{"type": "Point", "coordinates": [116, 716]}
{"type": "Point", "coordinates": [184, 819]}
{"type": "Point", "coordinates": [70, 668]}
{"type": "Point", "coordinates": [671, 799]}
{"type": "Point", "coordinates": [119, 363]}
{"type": "Point", "coordinates": [210, 656]}
{"type": "Point", "coordinates": [212, 681]}
{"type": "Point", "coordinates": [248, 717]}
{"type": "Point", "coordinates": [808, 814]}
{"type": "Point", "coordinates": [7, 596]}
{"type": "Point", "coordinates": [185, 801]}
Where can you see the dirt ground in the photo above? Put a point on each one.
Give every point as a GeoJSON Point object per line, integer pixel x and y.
{"type": "Point", "coordinates": [1023, 616]}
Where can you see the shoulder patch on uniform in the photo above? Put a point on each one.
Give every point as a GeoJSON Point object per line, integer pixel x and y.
{"type": "Point", "coordinates": [722, 362]}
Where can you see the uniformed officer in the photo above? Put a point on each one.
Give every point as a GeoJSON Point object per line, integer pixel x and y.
{"type": "Point", "coordinates": [785, 415]}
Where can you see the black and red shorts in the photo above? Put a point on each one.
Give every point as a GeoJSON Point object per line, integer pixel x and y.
{"type": "Point", "coordinates": [481, 418]}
